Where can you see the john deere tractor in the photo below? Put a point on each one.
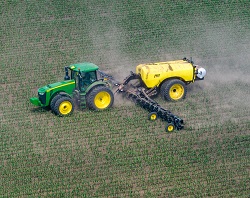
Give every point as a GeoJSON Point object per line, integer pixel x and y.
{"type": "Point", "coordinates": [81, 87]}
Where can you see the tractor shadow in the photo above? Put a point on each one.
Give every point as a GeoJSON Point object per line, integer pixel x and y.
{"type": "Point", "coordinates": [41, 110]}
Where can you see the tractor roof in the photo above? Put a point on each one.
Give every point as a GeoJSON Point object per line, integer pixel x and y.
{"type": "Point", "coordinates": [84, 67]}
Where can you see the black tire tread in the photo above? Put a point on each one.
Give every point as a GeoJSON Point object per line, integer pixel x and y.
{"type": "Point", "coordinates": [53, 101]}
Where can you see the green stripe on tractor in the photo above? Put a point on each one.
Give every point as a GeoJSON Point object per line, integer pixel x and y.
{"type": "Point", "coordinates": [48, 90]}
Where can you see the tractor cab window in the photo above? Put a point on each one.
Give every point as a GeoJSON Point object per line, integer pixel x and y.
{"type": "Point", "coordinates": [73, 74]}
{"type": "Point", "coordinates": [87, 79]}
{"type": "Point", "coordinates": [92, 76]}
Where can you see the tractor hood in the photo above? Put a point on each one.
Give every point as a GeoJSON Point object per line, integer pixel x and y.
{"type": "Point", "coordinates": [58, 85]}
{"type": "Point", "coordinates": [47, 92]}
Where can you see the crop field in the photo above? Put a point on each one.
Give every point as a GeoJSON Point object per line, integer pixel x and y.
{"type": "Point", "coordinates": [119, 152]}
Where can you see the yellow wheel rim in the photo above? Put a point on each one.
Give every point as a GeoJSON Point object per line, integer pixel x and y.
{"type": "Point", "coordinates": [153, 117]}
{"type": "Point", "coordinates": [102, 100]}
{"type": "Point", "coordinates": [176, 92]}
{"type": "Point", "coordinates": [170, 128]}
{"type": "Point", "coordinates": [65, 107]}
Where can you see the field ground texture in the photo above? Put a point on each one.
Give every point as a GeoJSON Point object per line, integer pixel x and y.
{"type": "Point", "coordinates": [119, 153]}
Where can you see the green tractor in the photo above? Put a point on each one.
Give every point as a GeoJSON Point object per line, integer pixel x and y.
{"type": "Point", "coordinates": [82, 87]}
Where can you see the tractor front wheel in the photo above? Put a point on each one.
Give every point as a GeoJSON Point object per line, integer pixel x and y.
{"type": "Point", "coordinates": [100, 98]}
{"type": "Point", "coordinates": [64, 106]}
{"type": "Point", "coordinates": [173, 90]}
{"type": "Point", "coordinates": [53, 102]}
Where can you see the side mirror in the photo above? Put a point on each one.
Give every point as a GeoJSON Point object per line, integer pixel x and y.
{"type": "Point", "coordinates": [66, 77]}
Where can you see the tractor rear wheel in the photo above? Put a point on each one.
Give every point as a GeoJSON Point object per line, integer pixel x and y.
{"type": "Point", "coordinates": [173, 90]}
{"type": "Point", "coordinates": [64, 106]}
{"type": "Point", "coordinates": [100, 98]}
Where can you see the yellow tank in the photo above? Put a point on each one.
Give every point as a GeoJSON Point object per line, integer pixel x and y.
{"type": "Point", "coordinates": [153, 74]}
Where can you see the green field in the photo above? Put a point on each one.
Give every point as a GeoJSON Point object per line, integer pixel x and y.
{"type": "Point", "coordinates": [119, 153]}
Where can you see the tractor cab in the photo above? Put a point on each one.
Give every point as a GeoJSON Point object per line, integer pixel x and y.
{"type": "Point", "coordinates": [84, 74]}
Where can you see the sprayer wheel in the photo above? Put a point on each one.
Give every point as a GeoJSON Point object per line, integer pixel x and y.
{"type": "Point", "coordinates": [170, 127]}
{"type": "Point", "coordinates": [152, 116]}
{"type": "Point", "coordinates": [173, 90]}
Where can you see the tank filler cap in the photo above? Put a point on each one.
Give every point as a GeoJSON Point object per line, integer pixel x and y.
{"type": "Point", "coordinates": [201, 73]}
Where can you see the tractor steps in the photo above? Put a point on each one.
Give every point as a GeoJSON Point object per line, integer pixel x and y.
{"type": "Point", "coordinates": [82, 102]}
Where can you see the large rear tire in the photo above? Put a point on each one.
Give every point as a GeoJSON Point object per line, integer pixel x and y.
{"type": "Point", "coordinates": [173, 90]}
{"type": "Point", "coordinates": [64, 106]}
{"type": "Point", "coordinates": [100, 98]}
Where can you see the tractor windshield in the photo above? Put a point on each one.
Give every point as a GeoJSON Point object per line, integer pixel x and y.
{"type": "Point", "coordinates": [88, 77]}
